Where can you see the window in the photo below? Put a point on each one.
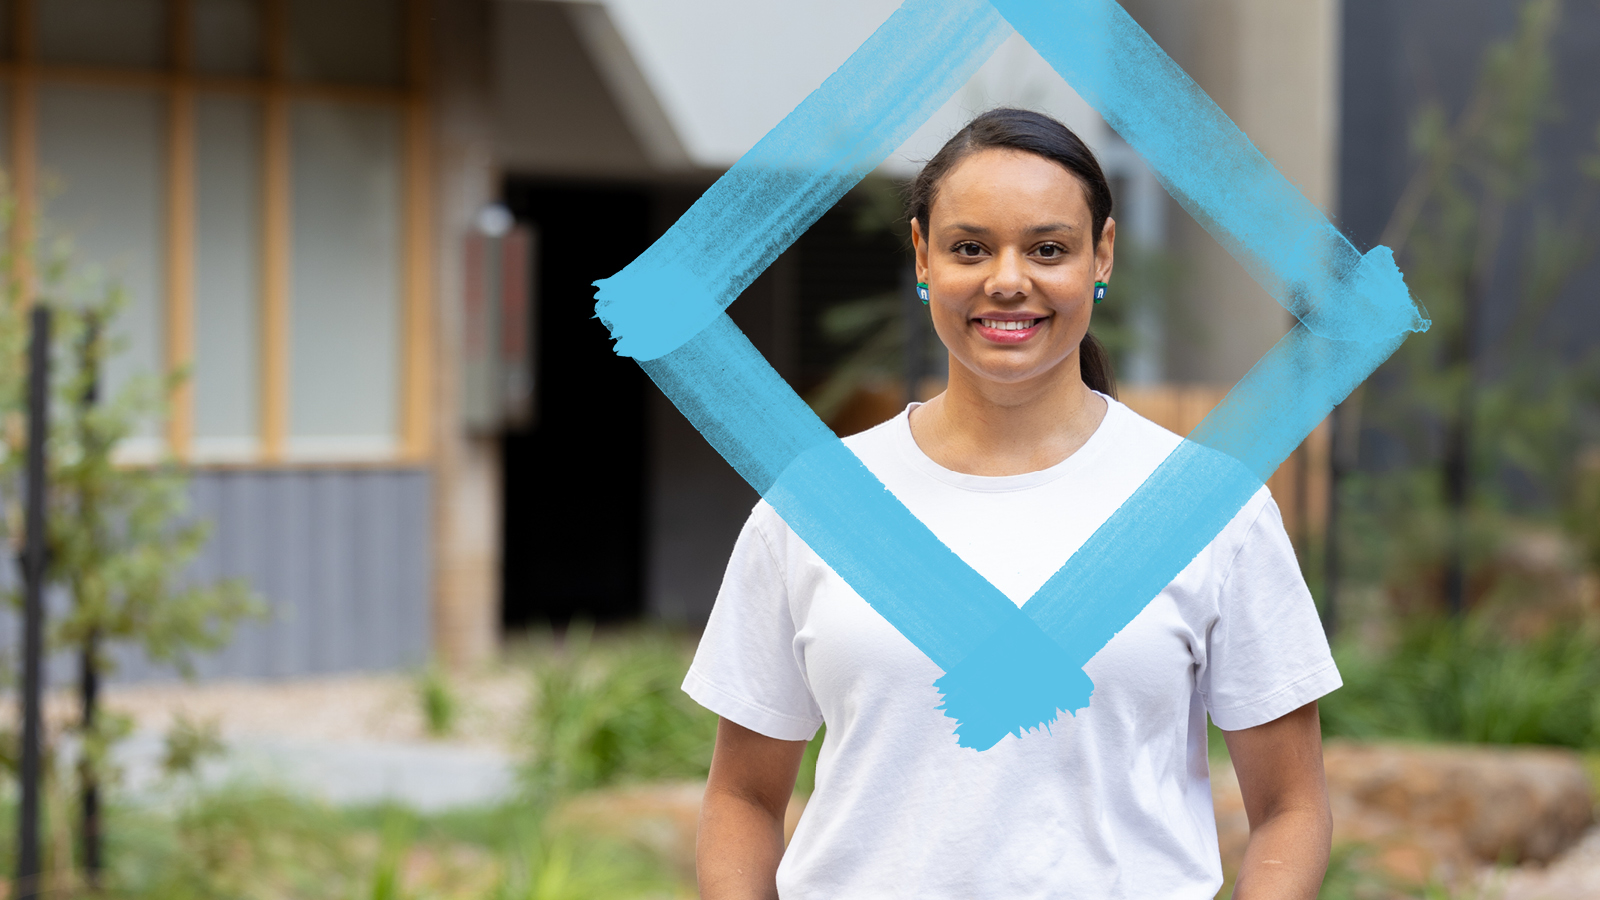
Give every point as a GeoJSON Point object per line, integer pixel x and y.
{"type": "Point", "coordinates": [252, 173]}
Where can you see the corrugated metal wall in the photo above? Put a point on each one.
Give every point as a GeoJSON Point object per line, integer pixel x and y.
{"type": "Point", "coordinates": [342, 558]}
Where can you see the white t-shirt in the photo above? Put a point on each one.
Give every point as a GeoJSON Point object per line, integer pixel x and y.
{"type": "Point", "coordinates": [1114, 802]}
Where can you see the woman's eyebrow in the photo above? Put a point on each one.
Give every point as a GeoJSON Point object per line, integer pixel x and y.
{"type": "Point", "coordinates": [1036, 229]}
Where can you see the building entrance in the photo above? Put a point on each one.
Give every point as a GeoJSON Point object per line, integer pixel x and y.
{"type": "Point", "coordinates": [575, 477]}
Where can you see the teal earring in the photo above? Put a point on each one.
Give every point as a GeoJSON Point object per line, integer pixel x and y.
{"type": "Point", "coordinates": [1099, 291]}
{"type": "Point", "coordinates": [922, 292]}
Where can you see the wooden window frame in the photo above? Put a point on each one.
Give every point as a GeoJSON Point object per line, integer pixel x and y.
{"type": "Point", "coordinates": [180, 86]}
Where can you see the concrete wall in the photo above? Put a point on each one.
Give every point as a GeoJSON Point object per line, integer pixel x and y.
{"type": "Point", "coordinates": [1273, 68]}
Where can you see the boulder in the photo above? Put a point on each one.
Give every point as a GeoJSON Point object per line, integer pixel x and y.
{"type": "Point", "coordinates": [1425, 811]}
{"type": "Point", "coordinates": [1431, 811]}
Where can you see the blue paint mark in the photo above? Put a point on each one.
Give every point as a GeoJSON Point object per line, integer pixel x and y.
{"type": "Point", "coordinates": [833, 502]}
{"type": "Point", "coordinates": [1208, 165]}
{"type": "Point", "coordinates": [1171, 518]}
{"type": "Point", "coordinates": [891, 85]}
{"type": "Point", "coordinates": [1007, 670]}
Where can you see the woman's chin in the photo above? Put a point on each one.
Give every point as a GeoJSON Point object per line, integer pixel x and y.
{"type": "Point", "coordinates": [1012, 373]}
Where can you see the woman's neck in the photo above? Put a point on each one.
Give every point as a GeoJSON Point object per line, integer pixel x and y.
{"type": "Point", "coordinates": [980, 427]}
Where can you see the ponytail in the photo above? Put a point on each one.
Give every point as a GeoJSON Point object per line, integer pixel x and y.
{"type": "Point", "coordinates": [1095, 365]}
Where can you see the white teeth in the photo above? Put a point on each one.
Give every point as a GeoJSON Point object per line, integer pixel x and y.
{"type": "Point", "coordinates": [1009, 324]}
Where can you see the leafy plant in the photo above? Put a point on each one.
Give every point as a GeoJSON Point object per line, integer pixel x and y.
{"type": "Point", "coordinates": [606, 715]}
{"type": "Point", "coordinates": [570, 867]}
{"type": "Point", "coordinates": [1471, 430]}
{"type": "Point", "coordinates": [190, 743]}
{"type": "Point", "coordinates": [1466, 680]}
{"type": "Point", "coordinates": [119, 536]}
{"type": "Point", "coordinates": [437, 697]}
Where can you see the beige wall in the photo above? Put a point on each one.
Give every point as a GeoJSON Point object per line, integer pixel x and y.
{"type": "Point", "coordinates": [467, 492]}
{"type": "Point", "coordinates": [1272, 65]}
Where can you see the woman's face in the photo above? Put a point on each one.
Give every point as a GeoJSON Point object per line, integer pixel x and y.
{"type": "Point", "coordinates": [1010, 265]}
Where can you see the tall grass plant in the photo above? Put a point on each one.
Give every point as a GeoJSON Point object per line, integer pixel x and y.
{"type": "Point", "coordinates": [1468, 680]}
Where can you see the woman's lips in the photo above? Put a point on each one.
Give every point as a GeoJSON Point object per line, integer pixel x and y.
{"type": "Point", "coordinates": [1008, 331]}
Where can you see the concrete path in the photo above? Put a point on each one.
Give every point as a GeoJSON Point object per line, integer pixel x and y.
{"type": "Point", "coordinates": [426, 777]}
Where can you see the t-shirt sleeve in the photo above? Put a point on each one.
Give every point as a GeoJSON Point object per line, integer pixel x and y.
{"type": "Point", "coordinates": [746, 669]}
{"type": "Point", "coordinates": [1266, 653]}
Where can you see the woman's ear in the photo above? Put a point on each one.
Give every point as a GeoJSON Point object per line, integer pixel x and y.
{"type": "Point", "coordinates": [920, 245]}
{"type": "Point", "coordinates": [1105, 251]}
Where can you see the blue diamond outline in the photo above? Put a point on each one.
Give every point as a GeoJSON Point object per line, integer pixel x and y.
{"type": "Point", "coordinates": [1007, 669]}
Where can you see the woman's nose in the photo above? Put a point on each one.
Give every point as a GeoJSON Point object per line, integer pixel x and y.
{"type": "Point", "coordinates": [1009, 278]}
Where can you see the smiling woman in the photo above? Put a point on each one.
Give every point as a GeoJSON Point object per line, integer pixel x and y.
{"type": "Point", "coordinates": [1013, 467]}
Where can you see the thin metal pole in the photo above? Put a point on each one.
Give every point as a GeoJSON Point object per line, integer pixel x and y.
{"type": "Point", "coordinates": [33, 566]}
{"type": "Point", "coordinates": [1337, 439]}
{"type": "Point", "coordinates": [89, 687]}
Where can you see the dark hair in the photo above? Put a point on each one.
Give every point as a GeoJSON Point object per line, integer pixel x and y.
{"type": "Point", "coordinates": [1036, 133]}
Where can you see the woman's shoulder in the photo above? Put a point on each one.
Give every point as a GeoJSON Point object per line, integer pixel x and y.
{"type": "Point", "coordinates": [1139, 443]}
{"type": "Point", "coordinates": [1134, 438]}
{"type": "Point", "coordinates": [1137, 427]}
{"type": "Point", "coordinates": [875, 448]}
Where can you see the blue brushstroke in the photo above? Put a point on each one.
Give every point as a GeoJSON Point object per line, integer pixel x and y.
{"type": "Point", "coordinates": [723, 385]}
{"type": "Point", "coordinates": [837, 135]}
{"type": "Point", "coordinates": [1171, 518]}
{"type": "Point", "coordinates": [1208, 165]}
{"type": "Point", "coordinates": [1007, 670]}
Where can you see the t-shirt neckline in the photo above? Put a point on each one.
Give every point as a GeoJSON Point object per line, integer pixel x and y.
{"type": "Point", "coordinates": [1084, 456]}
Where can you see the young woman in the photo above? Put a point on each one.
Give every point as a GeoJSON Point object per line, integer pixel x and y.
{"type": "Point", "coordinates": [1013, 467]}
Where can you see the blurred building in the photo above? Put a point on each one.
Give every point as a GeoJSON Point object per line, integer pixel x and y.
{"type": "Point", "coordinates": [406, 425]}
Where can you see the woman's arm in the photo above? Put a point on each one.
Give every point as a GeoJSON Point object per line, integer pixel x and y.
{"type": "Point", "coordinates": [741, 820]}
{"type": "Point", "coordinates": [1286, 797]}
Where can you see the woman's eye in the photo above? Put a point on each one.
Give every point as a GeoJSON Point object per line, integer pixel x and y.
{"type": "Point", "coordinates": [966, 248]}
{"type": "Point", "coordinates": [1051, 251]}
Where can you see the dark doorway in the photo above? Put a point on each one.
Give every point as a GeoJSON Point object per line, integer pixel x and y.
{"type": "Point", "coordinates": [574, 480]}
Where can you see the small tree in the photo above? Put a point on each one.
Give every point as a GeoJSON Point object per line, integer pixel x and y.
{"type": "Point", "coordinates": [120, 537]}
{"type": "Point", "coordinates": [1465, 413]}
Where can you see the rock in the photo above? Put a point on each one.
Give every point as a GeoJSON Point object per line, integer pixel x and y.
{"type": "Point", "coordinates": [663, 818]}
{"type": "Point", "coordinates": [1425, 811]}
{"type": "Point", "coordinates": [1575, 875]}
{"type": "Point", "coordinates": [1437, 811]}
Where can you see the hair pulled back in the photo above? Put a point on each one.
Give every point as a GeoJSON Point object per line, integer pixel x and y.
{"type": "Point", "coordinates": [1029, 132]}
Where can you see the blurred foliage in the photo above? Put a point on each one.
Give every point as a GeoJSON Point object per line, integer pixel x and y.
{"type": "Point", "coordinates": [251, 842]}
{"type": "Point", "coordinates": [806, 780]}
{"type": "Point", "coordinates": [120, 537]}
{"type": "Point", "coordinates": [441, 707]}
{"type": "Point", "coordinates": [1349, 878]}
{"type": "Point", "coordinates": [1466, 680]}
{"type": "Point", "coordinates": [1474, 434]}
{"type": "Point", "coordinates": [189, 744]}
{"type": "Point", "coordinates": [612, 711]}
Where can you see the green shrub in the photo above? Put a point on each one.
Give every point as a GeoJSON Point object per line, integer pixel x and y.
{"type": "Point", "coordinates": [437, 697]}
{"type": "Point", "coordinates": [237, 841]}
{"type": "Point", "coordinates": [1466, 680]}
{"type": "Point", "coordinates": [603, 714]}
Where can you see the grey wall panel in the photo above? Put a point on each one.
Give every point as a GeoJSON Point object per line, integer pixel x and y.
{"type": "Point", "coordinates": [342, 559]}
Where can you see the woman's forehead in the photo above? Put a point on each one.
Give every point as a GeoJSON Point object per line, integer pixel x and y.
{"type": "Point", "coordinates": [999, 181]}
